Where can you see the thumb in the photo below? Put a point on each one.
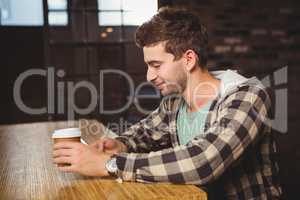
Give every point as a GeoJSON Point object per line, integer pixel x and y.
{"type": "Point", "coordinates": [98, 145]}
{"type": "Point", "coordinates": [101, 145]}
{"type": "Point", "coordinates": [109, 144]}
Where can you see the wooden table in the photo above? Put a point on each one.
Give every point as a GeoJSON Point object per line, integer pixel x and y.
{"type": "Point", "coordinates": [27, 172]}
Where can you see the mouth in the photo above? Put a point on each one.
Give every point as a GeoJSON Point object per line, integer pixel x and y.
{"type": "Point", "coordinates": [159, 86]}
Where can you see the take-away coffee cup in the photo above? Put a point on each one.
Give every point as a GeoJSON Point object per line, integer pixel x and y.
{"type": "Point", "coordinates": [67, 134]}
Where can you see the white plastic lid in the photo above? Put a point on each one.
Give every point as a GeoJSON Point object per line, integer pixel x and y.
{"type": "Point", "coordinates": [67, 132]}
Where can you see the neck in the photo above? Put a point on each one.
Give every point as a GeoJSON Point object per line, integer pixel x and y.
{"type": "Point", "coordinates": [201, 88]}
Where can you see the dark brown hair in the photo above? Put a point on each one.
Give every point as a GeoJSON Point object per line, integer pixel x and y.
{"type": "Point", "coordinates": [180, 29]}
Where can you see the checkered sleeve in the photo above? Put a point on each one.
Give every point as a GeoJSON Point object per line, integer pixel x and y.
{"type": "Point", "coordinates": [241, 117]}
{"type": "Point", "coordinates": [150, 134]}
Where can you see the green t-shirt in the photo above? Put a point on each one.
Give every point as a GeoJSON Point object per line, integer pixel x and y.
{"type": "Point", "coordinates": [190, 124]}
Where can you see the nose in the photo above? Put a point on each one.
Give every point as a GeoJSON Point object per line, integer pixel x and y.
{"type": "Point", "coordinates": [151, 74]}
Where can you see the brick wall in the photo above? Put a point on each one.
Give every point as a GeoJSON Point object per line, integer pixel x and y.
{"type": "Point", "coordinates": [258, 38]}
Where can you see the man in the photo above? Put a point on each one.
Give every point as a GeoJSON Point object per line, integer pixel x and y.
{"type": "Point", "coordinates": [211, 129]}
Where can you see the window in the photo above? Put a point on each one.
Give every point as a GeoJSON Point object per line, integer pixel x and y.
{"type": "Point", "coordinates": [57, 12]}
{"type": "Point", "coordinates": [125, 12]}
{"type": "Point", "coordinates": [21, 13]}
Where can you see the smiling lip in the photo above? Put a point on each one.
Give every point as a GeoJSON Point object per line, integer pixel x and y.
{"type": "Point", "coordinates": [159, 85]}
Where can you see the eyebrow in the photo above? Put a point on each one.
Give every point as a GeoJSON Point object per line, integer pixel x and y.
{"type": "Point", "coordinates": [152, 62]}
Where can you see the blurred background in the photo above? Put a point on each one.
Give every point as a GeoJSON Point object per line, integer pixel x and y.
{"type": "Point", "coordinates": [78, 38]}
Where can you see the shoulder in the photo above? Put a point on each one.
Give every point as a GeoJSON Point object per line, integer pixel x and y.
{"type": "Point", "coordinates": [251, 93]}
{"type": "Point", "coordinates": [252, 99]}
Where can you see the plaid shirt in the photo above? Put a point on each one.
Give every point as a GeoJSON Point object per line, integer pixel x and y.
{"type": "Point", "coordinates": [236, 150]}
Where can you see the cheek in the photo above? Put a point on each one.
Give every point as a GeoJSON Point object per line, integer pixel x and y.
{"type": "Point", "coordinates": [171, 71]}
{"type": "Point", "coordinates": [164, 72]}
{"type": "Point", "coordinates": [178, 71]}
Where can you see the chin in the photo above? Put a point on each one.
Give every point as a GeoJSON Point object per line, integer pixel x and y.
{"type": "Point", "coordinates": [167, 92]}
{"type": "Point", "coordinates": [164, 92]}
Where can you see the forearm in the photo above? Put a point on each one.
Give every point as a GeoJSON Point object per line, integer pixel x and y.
{"type": "Point", "coordinates": [127, 143]}
{"type": "Point", "coordinates": [174, 165]}
{"type": "Point", "coordinates": [134, 144]}
{"type": "Point", "coordinates": [122, 146]}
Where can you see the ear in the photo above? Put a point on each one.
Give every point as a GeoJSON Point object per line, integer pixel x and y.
{"type": "Point", "coordinates": [190, 59]}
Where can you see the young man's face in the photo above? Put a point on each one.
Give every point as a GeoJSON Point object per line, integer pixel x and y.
{"type": "Point", "coordinates": [164, 72]}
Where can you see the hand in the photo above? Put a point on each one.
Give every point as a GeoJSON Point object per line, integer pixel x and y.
{"type": "Point", "coordinates": [83, 159]}
{"type": "Point", "coordinates": [109, 145]}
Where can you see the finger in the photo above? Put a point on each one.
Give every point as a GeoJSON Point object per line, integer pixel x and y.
{"type": "Point", "coordinates": [101, 145]}
{"type": "Point", "coordinates": [97, 143]}
{"type": "Point", "coordinates": [65, 145]}
{"type": "Point", "coordinates": [62, 152]}
{"type": "Point", "coordinates": [67, 168]}
{"type": "Point", "coordinates": [63, 160]}
{"type": "Point", "coordinates": [111, 151]}
{"type": "Point", "coordinates": [110, 143]}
